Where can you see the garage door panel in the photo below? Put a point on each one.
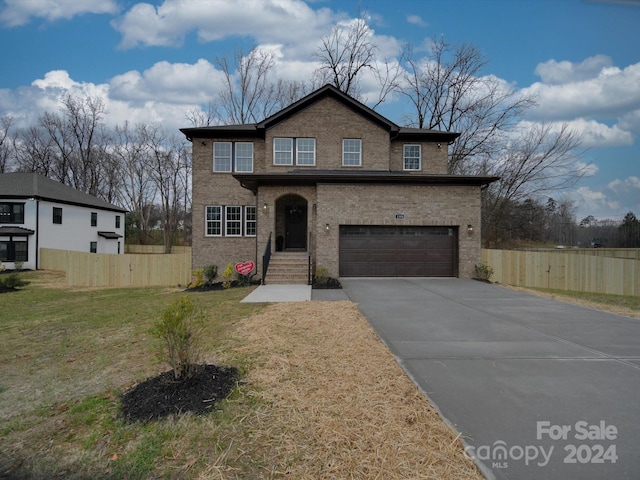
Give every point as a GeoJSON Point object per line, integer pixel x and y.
{"type": "Point", "coordinates": [398, 251]}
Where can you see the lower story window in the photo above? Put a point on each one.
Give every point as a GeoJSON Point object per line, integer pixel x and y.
{"type": "Point", "coordinates": [14, 251]}
{"type": "Point", "coordinates": [233, 221]}
{"type": "Point", "coordinates": [213, 220]}
{"type": "Point", "coordinates": [93, 247]}
{"type": "Point", "coordinates": [250, 221]}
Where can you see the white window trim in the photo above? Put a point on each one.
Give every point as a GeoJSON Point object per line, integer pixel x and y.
{"type": "Point", "coordinates": [404, 157]}
{"type": "Point", "coordinates": [313, 164]}
{"type": "Point", "coordinates": [228, 222]}
{"type": "Point", "coordinates": [280, 151]}
{"type": "Point", "coordinates": [230, 157]}
{"type": "Point", "coordinates": [247, 221]}
{"type": "Point", "coordinates": [235, 159]}
{"type": "Point", "coordinates": [343, 152]}
{"type": "Point", "coordinates": [206, 221]}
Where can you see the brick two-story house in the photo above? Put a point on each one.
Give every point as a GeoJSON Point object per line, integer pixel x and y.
{"type": "Point", "coordinates": [332, 180]}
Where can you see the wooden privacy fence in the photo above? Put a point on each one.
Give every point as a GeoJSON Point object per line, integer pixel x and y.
{"type": "Point", "coordinates": [155, 249]}
{"type": "Point", "coordinates": [112, 270]}
{"type": "Point", "coordinates": [564, 271]}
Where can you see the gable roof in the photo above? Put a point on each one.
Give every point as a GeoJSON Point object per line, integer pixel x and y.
{"type": "Point", "coordinates": [334, 93]}
{"type": "Point", "coordinates": [257, 130]}
{"type": "Point", "coordinates": [33, 185]}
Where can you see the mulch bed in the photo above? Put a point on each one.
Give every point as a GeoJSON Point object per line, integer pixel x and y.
{"type": "Point", "coordinates": [330, 284]}
{"type": "Point", "coordinates": [162, 395]}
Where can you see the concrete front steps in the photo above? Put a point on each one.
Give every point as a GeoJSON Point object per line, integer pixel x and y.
{"type": "Point", "coordinates": [288, 268]}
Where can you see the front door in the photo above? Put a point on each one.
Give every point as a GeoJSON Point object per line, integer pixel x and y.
{"type": "Point", "coordinates": [296, 227]}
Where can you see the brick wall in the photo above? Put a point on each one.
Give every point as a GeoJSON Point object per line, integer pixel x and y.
{"type": "Point", "coordinates": [329, 122]}
{"type": "Point", "coordinates": [217, 189]}
{"type": "Point", "coordinates": [378, 205]}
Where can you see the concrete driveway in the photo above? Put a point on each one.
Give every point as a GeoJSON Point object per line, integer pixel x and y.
{"type": "Point", "coordinates": [537, 388]}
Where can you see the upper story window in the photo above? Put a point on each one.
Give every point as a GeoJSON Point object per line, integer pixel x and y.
{"type": "Point", "coordinates": [412, 157]}
{"type": "Point", "coordinates": [221, 156]}
{"type": "Point", "coordinates": [283, 151]}
{"type": "Point", "coordinates": [244, 157]}
{"type": "Point", "coordinates": [351, 152]}
{"type": "Point", "coordinates": [11, 212]}
{"type": "Point", "coordinates": [303, 154]}
{"type": "Point", "coordinates": [94, 219]}
{"type": "Point", "coordinates": [117, 221]}
{"type": "Point", "coordinates": [306, 151]}
{"type": "Point", "coordinates": [224, 154]}
{"type": "Point", "coordinates": [57, 215]}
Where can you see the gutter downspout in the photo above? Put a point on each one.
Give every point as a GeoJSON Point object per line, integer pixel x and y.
{"type": "Point", "coordinates": [37, 234]}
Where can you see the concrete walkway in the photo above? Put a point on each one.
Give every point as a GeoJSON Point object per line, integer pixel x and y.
{"type": "Point", "coordinates": [537, 388]}
{"type": "Point", "coordinates": [279, 293]}
{"type": "Point", "coordinates": [292, 293]}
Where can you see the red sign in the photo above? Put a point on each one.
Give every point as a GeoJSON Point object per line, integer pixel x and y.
{"type": "Point", "coordinates": [245, 268]}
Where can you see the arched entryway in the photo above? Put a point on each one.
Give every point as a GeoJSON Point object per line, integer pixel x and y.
{"type": "Point", "coordinates": [291, 223]}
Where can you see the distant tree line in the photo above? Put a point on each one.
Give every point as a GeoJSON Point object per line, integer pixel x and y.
{"type": "Point", "coordinates": [143, 168]}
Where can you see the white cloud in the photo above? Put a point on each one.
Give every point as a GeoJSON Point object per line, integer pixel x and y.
{"type": "Point", "coordinates": [594, 202]}
{"type": "Point", "coordinates": [612, 93]}
{"type": "Point", "coordinates": [628, 185]}
{"type": "Point", "coordinates": [173, 82]}
{"type": "Point", "coordinates": [20, 12]}
{"type": "Point", "coordinates": [596, 134]}
{"type": "Point", "coordinates": [556, 73]}
{"type": "Point", "coordinates": [417, 20]}
{"type": "Point", "coordinates": [27, 104]}
{"type": "Point", "coordinates": [289, 22]}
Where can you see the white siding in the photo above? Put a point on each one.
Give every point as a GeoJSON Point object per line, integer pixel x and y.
{"type": "Point", "coordinates": [76, 233]}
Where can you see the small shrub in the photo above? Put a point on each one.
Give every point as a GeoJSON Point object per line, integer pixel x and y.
{"type": "Point", "coordinates": [198, 278]}
{"type": "Point", "coordinates": [483, 272]}
{"type": "Point", "coordinates": [244, 280]}
{"type": "Point", "coordinates": [18, 264]}
{"type": "Point", "coordinates": [210, 273]}
{"type": "Point", "coordinates": [2, 267]}
{"type": "Point", "coordinates": [227, 276]}
{"type": "Point", "coordinates": [180, 332]}
{"type": "Point", "coordinates": [321, 275]}
{"type": "Point", "coordinates": [12, 281]}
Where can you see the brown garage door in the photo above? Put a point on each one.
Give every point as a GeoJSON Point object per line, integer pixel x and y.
{"type": "Point", "coordinates": [371, 251]}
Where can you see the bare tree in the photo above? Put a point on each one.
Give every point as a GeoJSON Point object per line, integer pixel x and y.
{"type": "Point", "coordinates": [448, 92]}
{"type": "Point", "coordinates": [34, 151]}
{"type": "Point", "coordinates": [248, 95]}
{"type": "Point", "coordinates": [541, 160]}
{"type": "Point", "coordinates": [137, 191]}
{"type": "Point", "coordinates": [345, 53]}
{"type": "Point", "coordinates": [168, 164]}
{"type": "Point", "coordinates": [5, 144]}
{"type": "Point", "coordinates": [348, 52]}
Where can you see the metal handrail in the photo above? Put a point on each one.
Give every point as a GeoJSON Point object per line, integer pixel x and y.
{"type": "Point", "coordinates": [309, 250]}
{"type": "Point", "coordinates": [266, 258]}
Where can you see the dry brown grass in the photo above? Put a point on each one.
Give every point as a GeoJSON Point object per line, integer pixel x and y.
{"type": "Point", "coordinates": [583, 300]}
{"type": "Point", "coordinates": [335, 403]}
{"type": "Point", "coordinates": [323, 398]}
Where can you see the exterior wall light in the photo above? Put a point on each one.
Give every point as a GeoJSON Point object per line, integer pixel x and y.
{"type": "Point", "coordinates": [326, 227]}
{"type": "Point", "coordinates": [265, 207]}
{"type": "Point", "coordinates": [470, 229]}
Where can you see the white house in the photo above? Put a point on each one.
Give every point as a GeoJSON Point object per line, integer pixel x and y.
{"type": "Point", "coordinates": [37, 212]}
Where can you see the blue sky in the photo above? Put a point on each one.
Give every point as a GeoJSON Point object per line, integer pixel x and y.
{"type": "Point", "coordinates": [154, 61]}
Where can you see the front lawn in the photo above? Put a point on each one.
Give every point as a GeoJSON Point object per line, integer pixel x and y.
{"type": "Point", "coordinates": [319, 395]}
